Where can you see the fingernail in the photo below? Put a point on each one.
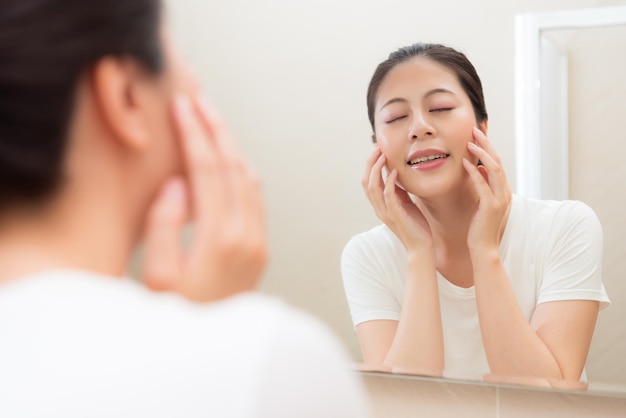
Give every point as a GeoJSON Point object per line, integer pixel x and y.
{"type": "Point", "coordinates": [174, 189]}
{"type": "Point", "coordinates": [183, 107]}
{"type": "Point", "coordinates": [478, 132]}
{"type": "Point", "coordinates": [472, 145]}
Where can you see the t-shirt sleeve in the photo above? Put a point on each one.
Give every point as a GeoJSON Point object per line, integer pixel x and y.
{"type": "Point", "coordinates": [573, 268]}
{"type": "Point", "coordinates": [308, 374]}
{"type": "Point", "coordinates": [366, 281]}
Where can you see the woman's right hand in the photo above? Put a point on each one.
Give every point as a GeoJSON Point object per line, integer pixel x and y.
{"type": "Point", "coordinates": [394, 206]}
{"type": "Point", "coordinates": [222, 196]}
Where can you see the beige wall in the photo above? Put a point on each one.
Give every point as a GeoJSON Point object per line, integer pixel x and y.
{"type": "Point", "coordinates": [290, 78]}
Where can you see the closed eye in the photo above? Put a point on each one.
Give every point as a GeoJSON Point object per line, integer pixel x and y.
{"type": "Point", "coordinates": [441, 109]}
{"type": "Point", "coordinates": [395, 119]}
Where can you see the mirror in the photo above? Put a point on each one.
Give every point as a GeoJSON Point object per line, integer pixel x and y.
{"type": "Point", "coordinates": [569, 79]}
{"type": "Point", "coordinates": [290, 79]}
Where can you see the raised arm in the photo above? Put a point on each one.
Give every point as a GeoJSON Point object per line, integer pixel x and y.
{"type": "Point", "coordinates": [415, 342]}
{"type": "Point", "coordinates": [556, 341]}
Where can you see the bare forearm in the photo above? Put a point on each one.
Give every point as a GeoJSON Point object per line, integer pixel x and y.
{"type": "Point", "coordinates": [511, 345]}
{"type": "Point", "coordinates": [418, 342]}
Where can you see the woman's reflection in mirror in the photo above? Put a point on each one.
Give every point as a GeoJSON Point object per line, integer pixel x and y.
{"type": "Point", "coordinates": [463, 278]}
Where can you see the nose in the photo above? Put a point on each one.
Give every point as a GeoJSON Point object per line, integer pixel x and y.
{"type": "Point", "coordinates": [421, 128]}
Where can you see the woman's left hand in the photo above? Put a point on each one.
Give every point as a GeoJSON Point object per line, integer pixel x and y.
{"type": "Point", "coordinates": [494, 196]}
{"type": "Point", "coordinates": [222, 196]}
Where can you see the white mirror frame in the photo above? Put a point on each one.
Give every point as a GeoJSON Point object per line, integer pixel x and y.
{"type": "Point", "coordinates": [546, 176]}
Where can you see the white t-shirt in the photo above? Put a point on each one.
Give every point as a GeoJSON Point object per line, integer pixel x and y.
{"type": "Point", "coordinates": [75, 344]}
{"type": "Point", "coordinates": [551, 251]}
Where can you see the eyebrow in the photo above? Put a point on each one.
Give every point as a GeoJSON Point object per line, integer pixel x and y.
{"type": "Point", "coordinates": [428, 94]}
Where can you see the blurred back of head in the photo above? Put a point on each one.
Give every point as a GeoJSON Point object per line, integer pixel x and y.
{"type": "Point", "coordinates": [45, 48]}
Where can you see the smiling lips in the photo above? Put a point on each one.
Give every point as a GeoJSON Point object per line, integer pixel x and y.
{"type": "Point", "coordinates": [427, 159]}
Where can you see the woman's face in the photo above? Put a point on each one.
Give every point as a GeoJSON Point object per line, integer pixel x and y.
{"type": "Point", "coordinates": [423, 121]}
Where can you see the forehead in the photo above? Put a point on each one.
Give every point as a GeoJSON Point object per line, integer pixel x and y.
{"type": "Point", "coordinates": [414, 78]}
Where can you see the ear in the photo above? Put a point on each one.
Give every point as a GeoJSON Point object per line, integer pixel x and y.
{"type": "Point", "coordinates": [117, 84]}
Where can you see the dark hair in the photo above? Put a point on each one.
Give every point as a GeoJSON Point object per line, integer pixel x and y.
{"type": "Point", "coordinates": [444, 55]}
{"type": "Point", "coordinates": [46, 46]}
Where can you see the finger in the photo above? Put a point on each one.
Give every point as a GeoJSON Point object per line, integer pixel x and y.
{"type": "Point", "coordinates": [242, 212]}
{"type": "Point", "coordinates": [396, 198]}
{"type": "Point", "coordinates": [497, 177]}
{"type": "Point", "coordinates": [390, 192]}
{"type": "Point", "coordinates": [483, 142]}
{"type": "Point", "coordinates": [255, 233]}
{"type": "Point", "coordinates": [256, 202]}
{"type": "Point", "coordinates": [163, 256]}
{"type": "Point", "coordinates": [402, 195]}
{"type": "Point", "coordinates": [369, 164]}
{"type": "Point", "coordinates": [200, 162]}
{"type": "Point", "coordinates": [375, 188]}
{"type": "Point", "coordinates": [482, 155]}
{"type": "Point", "coordinates": [484, 173]}
{"type": "Point", "coordinates": [234, 170]}
{"type": "Point", "coordinates": [375, 180]}
{"type": "Point", "coordinates": [228, 158]}
{"type": "Point", "coordinates": [214, 123]}
{"type": "Point", "coordinates": [481, 185]}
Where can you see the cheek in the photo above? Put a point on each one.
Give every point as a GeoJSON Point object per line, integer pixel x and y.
{"type": "Point", "coordinates": [390, 147]}
{"type": "Point", "coordinates": [460, 132]}
{"type": "Point", "coordinates": [166, 150]}
{"type": "Point", "coordinates": [393, 159]}
{"type": "Point", "coordinates": [381, 139]}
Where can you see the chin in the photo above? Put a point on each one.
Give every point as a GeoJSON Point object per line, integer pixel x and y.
{"type": "Point", "coordinates": [430, 188]}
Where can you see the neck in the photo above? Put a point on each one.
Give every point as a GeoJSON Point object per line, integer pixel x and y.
{"type": "Point", "coordinates": [73, 231]}
{"type": "Point", "coordinates": [449, 216]}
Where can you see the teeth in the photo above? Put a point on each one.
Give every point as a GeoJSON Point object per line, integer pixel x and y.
{"type": "Point", "coordinates": [428, 158]}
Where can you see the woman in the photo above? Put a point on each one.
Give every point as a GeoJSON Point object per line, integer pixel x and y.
{"type": "Point", "coordinates": [104, 142]}
{"type": "Point", "coordinates": [464, 278]}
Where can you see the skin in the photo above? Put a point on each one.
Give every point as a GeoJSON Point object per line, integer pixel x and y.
{"type": "Point", "coordinates": [146, 155]}
{"type": "Point", "coordinates": [451, 219]}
